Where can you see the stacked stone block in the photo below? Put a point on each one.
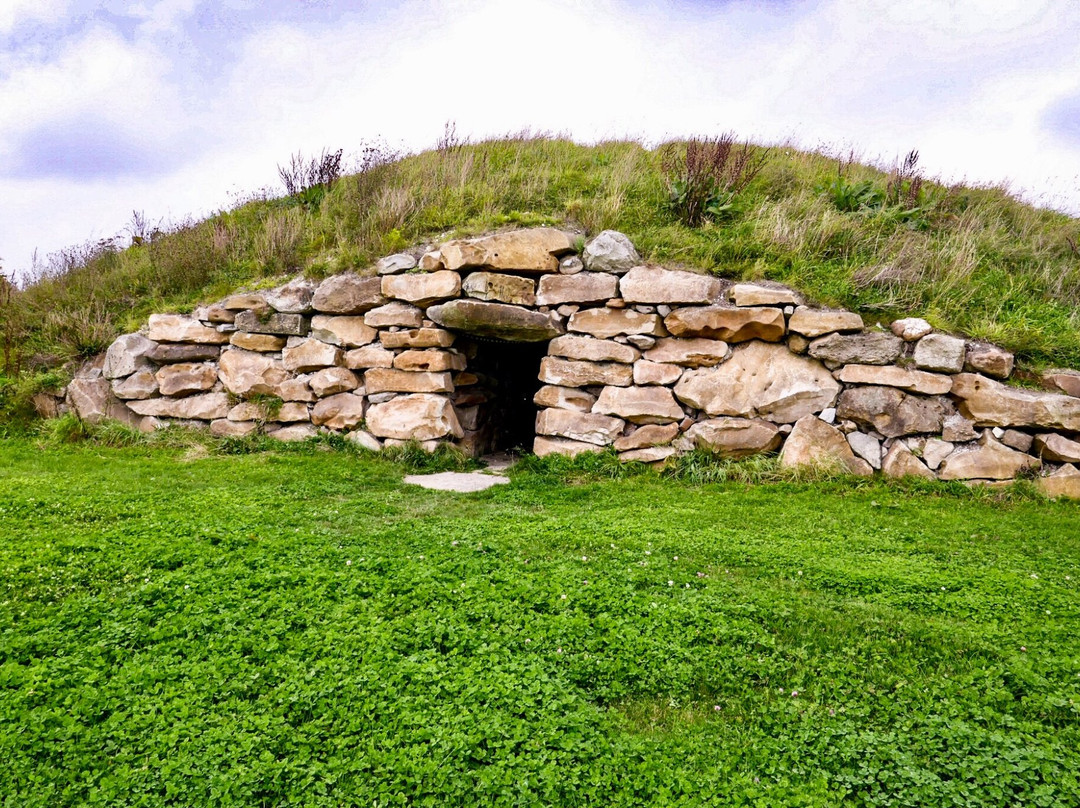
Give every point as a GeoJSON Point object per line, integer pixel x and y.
{"type": "Point", "coordinates": [648, 361]}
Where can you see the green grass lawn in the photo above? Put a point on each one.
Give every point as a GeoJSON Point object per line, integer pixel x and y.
{"type": "Point", "coordinates": [300, 628]}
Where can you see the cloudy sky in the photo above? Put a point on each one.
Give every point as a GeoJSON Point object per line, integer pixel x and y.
{"type": "Point", "coordinates": [177, 107]}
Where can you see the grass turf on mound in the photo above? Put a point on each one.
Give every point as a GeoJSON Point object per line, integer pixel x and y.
{"type": "Point", "coordinates": [970, 259]}
{"type": "Point", "coordinates": [299, 627]}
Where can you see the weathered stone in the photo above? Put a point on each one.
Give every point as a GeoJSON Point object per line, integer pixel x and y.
{"type": "Point", "coordinates": [586, 427]}
{"type": "Point", "coordinates": [865, 446]}
{"type": "Point", "coordinates": [655, 285]}
{"type": "Point", "coordinates": [982, 357]}
{"type": "Point", "coordinates": [422, 289]}
{"type": "Point", "coordinates": [431, 261]}
{"type": "Point", "coordinates": [330, 381]}
{"type": "Point", "coordinates": [544, 446]}
{"type": "Point", "coordinates": [761, 379]}
{"type": "Point", "coordinates": [584, 287]}
{"type": "Point", "coordinates": [816, 322]}
{"type": "Point", "coordinates": [798, 344]}
{"type": "Point", "coordinates": [223, 428]}
{"type": "Point", "coordinates": [178, 328]}
{"type": "Point", "coordinates": [571, 265]}
{"type": "Point", "coordinates": [245, 373]}
{"type": "Point", "coordinates": [364, 440]}
{"type": "Point", "coordinates": [429, 360]}
{"type": "Point", "coordinates": [267, 343]}
{"type": "Point", "coordinates": [249, 411]}
{"type": "Point", "coordinates": [988, 461]}
{"type": "Point", "coordinates": [294, 434]}
{"type": "Point", "coordinates": [349, 293]}
{"type": "Point", "coordinates": [646, 436]}
{"type": "Point", "coordinates": [639, 405]}
{"type": "Point", "coordinates": [140, 384]}
{"type": "Point", "coordinates": [262, 322]}
{"type": "Point", "coordinates": [729, 323]}
{"type": "Point", "coordinates": [532, 250]}
{"type": "Point", "coordinates": [911, 328]}
{"type": "Point", "coordinates": [417, 338]}
{"type": "Point", "coordinates": [384, 380]}
{"type": "Point", "coordinates": [370, 356]}
{"type": "Point", "coordinates": [652, 454]}
{"type": "Point", "coordinates": [1056, 448]}
{"type": "Point", "coordinates": [646, 372]}
{"type": "Point", "coordinates": [393, 264]}
{"type": "Point", "coordinates": [935, 451]}
{"type": "Point", "coordinates": [760, 294]}
{"type": "Point", "coordinates": [639, 341]}
{"type": "Point", "coordinates": [1015, 439]}
{"type": "Point", "coordinates": [497, 287]}
{"type": "Point", "coordinates": [338, 412]}
{"type": "Point", "coordinates": [1065, 482]}
{"type": "Point", "coordinates": [735, 437]}
{"type": "Point", "coordinates": [900, 462]}
{"type": "Point", "coordinates": [185, 378]}
{"type": "Point", "coordinates": [293, 297]}
{"type": "Point", "coordinates": [395, 314]}
{"type": "Point", "coordinates": [348, 332]}
{"type": "Point", "coordinates": [126, 355]}
{"type": "Point", "coordinates": [691, 353]}
{"type": "Point", "coordinates": [610, 251]}
{"type": "Point", "coordinates": [1067, 381]}
{"type": "Point", "coordinates": [496, 320]}
{"type": "Point", "coordinates": [589, 349]}
{"type": "Point", "coordinates": [940, 352]}
{"type": "Point", "coordinates": [890, 411]}
{"type": "Point", "coordinates": [296, 389]}
{"type": "Point", "coordinates": [292, 412]}
{"type": "Point", "coordinates": [813, 443]}
{"type": "Point", "coordinates": [311, 354]}
{"type": "Point", "coordinates": [869, 348]}
{"type": "Point", "coordinates": [244, 300]}
{"type": "Point", "coordinates": [606, 323]}
{"type": "Point", "coordinates": [564, 398]}
{"type": "Point", "coordinates": [991, 403]}
{"type": "Point", "coordinates": [93, 401]}
{"type": "Point", "coordinates": [204, 407]}
{"type": "Point", "coordinates": [573, 373]}
{"type": "Point", "coordinates": [958, 429]}
{"type": "Point", "coordinates": [215, 313]}
{"type": "Point", "coordinates": [913, 381]}
{"type": "Point", "coordinates": [418, 417]}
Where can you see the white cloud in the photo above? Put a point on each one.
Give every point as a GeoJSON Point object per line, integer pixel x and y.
{"type": "Point", "coordinates": [966, 83]}
{"type": "Point", "coordinates": [16, 12]}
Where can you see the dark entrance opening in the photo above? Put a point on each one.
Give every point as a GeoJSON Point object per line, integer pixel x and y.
{"type": "Point", "coordinates": [507, 380]}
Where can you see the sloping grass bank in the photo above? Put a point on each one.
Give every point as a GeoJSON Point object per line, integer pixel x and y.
{"type": "Point", "coordinates": [969, 259]}
{"type": "Point", "coordinates": [300, 628]}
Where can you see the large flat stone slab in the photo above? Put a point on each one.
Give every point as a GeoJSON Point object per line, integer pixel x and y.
{"type": "Point", "coordinates": [728, 323]}
{"type": "Point", "coordinates": [761, 379]}
{"type": "Point", "coordinates": [991, 403]}
{"type": "Point", "coordinates": [495, 320]}
{"type": "Point", "coordinates": [457, 481]}
{"type": "Point", "coordinates": [655, 285]}
{"type": "Point", "coordinates": [533, 250]}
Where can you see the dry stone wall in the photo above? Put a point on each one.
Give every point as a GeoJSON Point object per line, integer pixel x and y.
{"type": "Point", "coordinates": [649, 361]}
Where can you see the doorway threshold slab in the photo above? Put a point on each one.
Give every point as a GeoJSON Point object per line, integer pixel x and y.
{"type": "Point", "coordinates": [458, 481]}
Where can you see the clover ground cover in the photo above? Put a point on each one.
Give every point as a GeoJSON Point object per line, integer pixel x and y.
{"type": "Point", "coordinates": [301, 628]}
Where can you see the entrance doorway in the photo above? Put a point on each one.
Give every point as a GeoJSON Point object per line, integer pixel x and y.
{"type": "Point", "coordinates": [507, 380]}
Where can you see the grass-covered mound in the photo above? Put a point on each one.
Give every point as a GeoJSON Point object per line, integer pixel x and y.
{"type": "Point", "coordinates": [882, 242]}
{"type": "Point", "coordinates": [298, 627]}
